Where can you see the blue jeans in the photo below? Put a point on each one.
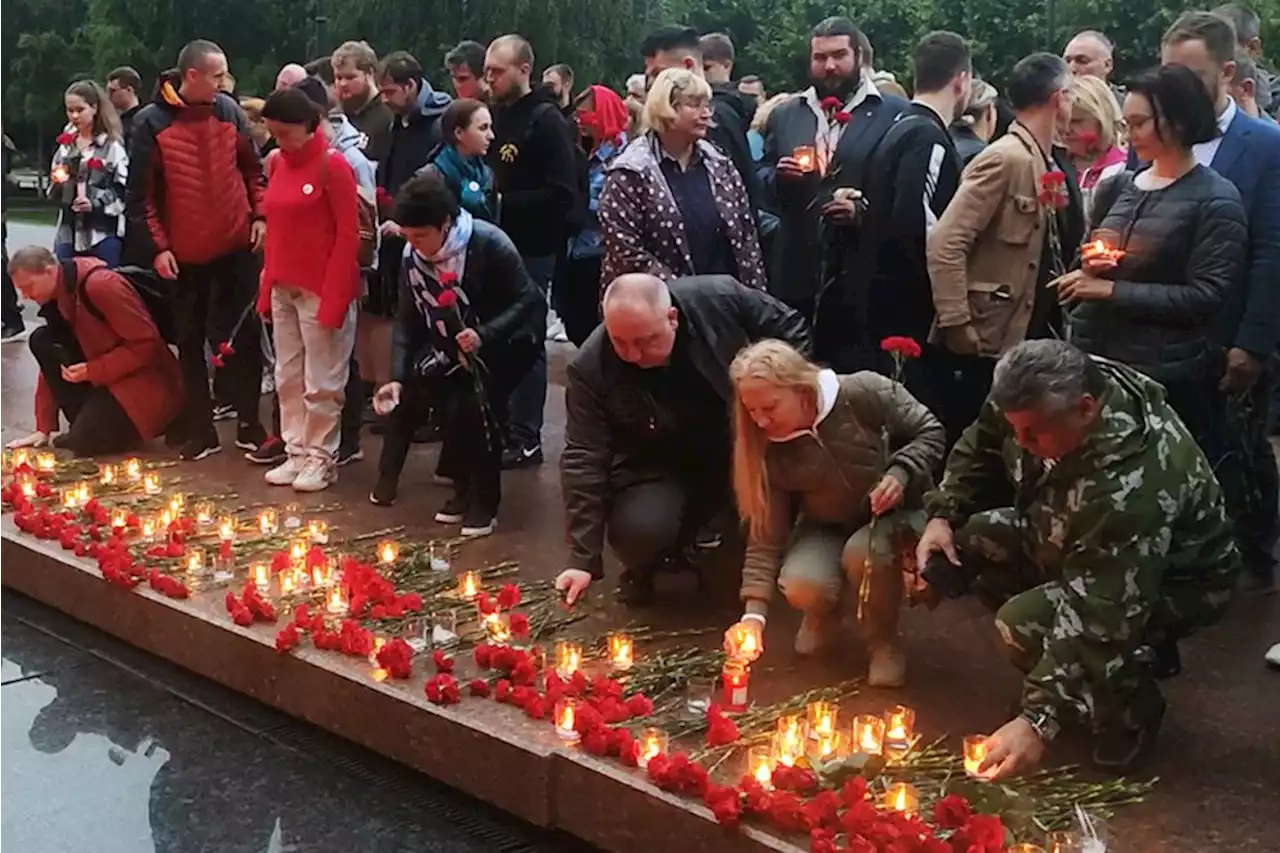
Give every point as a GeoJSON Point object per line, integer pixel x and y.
{"type": "Point", "coordinates": [110, 250]}
{"type": "Point", "coordinates": [530, 396]}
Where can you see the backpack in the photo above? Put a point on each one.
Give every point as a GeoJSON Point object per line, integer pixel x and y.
{"type": "Point", "coordinates": [366, 214]}
{"type": "Point", "coordinates": [155, 293]}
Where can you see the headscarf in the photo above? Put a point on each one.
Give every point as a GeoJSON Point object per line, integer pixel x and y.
{"type": "Point", "coordinates": [608, 119]}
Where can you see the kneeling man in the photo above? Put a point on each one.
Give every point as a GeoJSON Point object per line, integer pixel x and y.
{"type": "Point", "coordinates": [647, 442]}
{"type": "Point", "coordinates": [1116, 543]}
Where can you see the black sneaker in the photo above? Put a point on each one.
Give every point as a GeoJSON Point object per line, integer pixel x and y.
{"type": "Point", "coordinates": [453, 511]}
{"type": "Point", "coordinates": [635, 588]}
{"type": "Point", "coordinates": [347, 455]}
{"type": "Point", "coordinates": [224, 412]}
{"type": "Point", "coordinates": [16, 332]}
{"type": "Point", "coordinates": [270, 452]}
{"type": "Point", "coordinates": [250, 436]}
{"type": "Point", "coordinates": [198, 448]}
{"type": "Point", "coordinates": [428, 433]}
{"type": "Point", "coordinates": [522, 457]}
{"type": "Point", "coordinates": [1121, 749]}
{"type": "Point", "coordinates": [384, 493]}
{"type": "Point", "coordinates": [477, 523]}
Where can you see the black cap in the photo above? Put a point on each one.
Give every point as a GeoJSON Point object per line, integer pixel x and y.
{"type": "Point", "coordinates": [314, 88]}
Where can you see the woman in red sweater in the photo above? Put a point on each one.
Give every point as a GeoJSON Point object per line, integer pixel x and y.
{"type": "Point", "coordinates": [310, 280]}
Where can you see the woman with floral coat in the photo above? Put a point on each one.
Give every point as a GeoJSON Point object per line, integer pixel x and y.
{"type": "Point", "coordinates": [673, 205]}
{"type": "Point", "coordinates": [88, 175]}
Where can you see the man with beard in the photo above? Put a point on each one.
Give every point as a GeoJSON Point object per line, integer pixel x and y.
{"type": "Point", "coordinates": [680, 47]}
{"type": "Point", "coordinates": [914, 173]}
{"type": "Point", "coordinates": [534, 171]}
{"type": "Point", "coordinates": [354, 66]}
{"type": "Point", "coordinates": [817, 142]}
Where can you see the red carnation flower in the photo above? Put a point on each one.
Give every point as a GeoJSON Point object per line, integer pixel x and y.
{"type": "Point", "coordinates": [484, 604]}
{"type": "Point", "coordinates": [447, 278]}
{"type": "Point", "coordinates": [519, 624]}
{"type": "Point", "coordinates": [287, 638]}
{"type": "Point", "coordinates": [484, 655]}
{"type": "Point", "coordinates": [447, 299]}
{"type": "Point", "coordinates": [65, 138]}
{"type": "Point", "coordinates": [639, 705]}
{"type": "Point", "coordinates": [396, 657]}
{"type": "Point", "coordinates": [982, 833]}
{"type": "Point", "coordinates": [226, 350]}
{"type": "Point", "coordinates": [952, 812]}
{"type": "Point", "coordinates": [443, 662]}
{"type": "Point", "coordinates": [478, 687]}
{"type": "Point", "coordinates": [385, 200]}
{"type": "Point", "coordinates": [217, 361]}
{"type": "Point", "coordinates": [830, 103]}
{"type": "Point", "coordinates": [1053, 190]}
{"type": "Point", "coordinates": [596, 742]}
{"type": "Point", "coordinates": [901, 345]}
{"type": "Point", "coordinates": [94, 163]}
{"type": "Point", "coordinates": [509, 596]}
{"type": "Point", "coordinates": [842, 117]}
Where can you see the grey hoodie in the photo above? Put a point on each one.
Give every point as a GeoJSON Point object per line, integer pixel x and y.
{"type": "Point", "coordinates": [350, 142]}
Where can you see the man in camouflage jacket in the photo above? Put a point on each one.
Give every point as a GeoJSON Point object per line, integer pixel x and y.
{"type": "Point", "coordinates": [1116, 541]}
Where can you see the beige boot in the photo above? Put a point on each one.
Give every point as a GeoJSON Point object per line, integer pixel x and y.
{"type": "Point", "coordinates": [888, 665]}
{"type": "Point", "coordinates": [814, 633]}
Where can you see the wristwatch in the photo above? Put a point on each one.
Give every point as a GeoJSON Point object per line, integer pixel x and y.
{"type": "Point", "coordinates": [1045, 726]}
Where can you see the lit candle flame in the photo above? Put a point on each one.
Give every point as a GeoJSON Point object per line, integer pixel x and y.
{"type": "Point", "coordinates": [267, 522]}
{"type": "Point", "coordinates": [337, 601]}
{"type": "Point", "coordinates": [20, 457]}
{"type": "Point", "coordinates": [148, 527]}
{"type": "Point", "coordinates": [286, 583]}
{"type": "Point", "coordinates": [318, 531]}
{"type": "Point", "coordinates": [83, 493]}
{"type": "Point", "coordinates": [763, 774]}
{"type": "Point", "coordinates": [60, 174]}
{"type": "Point", "coordinates": [621, 651]}
{"type": "Point", "coordinates": [261, 577]}
{"type": "Point", "coordinates": [227, 529]}
{"type": "Point", "coordinates": [28, 489]}
{"type": "Point", "coordinates": [195, 561]}
{"type": "Point", "coordinates": [387, 552]}
{"type": "Point", "coordinates": [566, 717]}
{"type": "Point", "coordinates": [900, 802]}
{"type": "Point", "coordinates": [470, 585]}
{"type": "Point", "coordinates": [133, 469]}
{"type": "Point", "coordinates": [151, 483]}
{"type": "Point", "coordinates": [107, 474]}
{"type": "Point", "coordinates": [46, 461]}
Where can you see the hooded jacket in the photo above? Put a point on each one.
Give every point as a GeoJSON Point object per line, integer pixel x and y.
{"type": "Point", "coordinates": [195, 180]}
{"type": "Point", "coordinates": [534, 171]}
{"type": "Point", "coordinates": [350, 143]}
{"type": "Point", "coordinates": [413, 138]}
{"type": "Point", "coordinates": [731, 113]}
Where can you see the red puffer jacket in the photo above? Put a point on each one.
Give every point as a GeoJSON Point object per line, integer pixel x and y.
{"type": "Point", "coordinates": [195, 181]}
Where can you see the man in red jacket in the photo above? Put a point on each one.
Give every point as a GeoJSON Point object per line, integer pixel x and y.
{"type": "Point", "coordinates": [195, 190]}
{"type": "Point", "coordinates": [103, 363]}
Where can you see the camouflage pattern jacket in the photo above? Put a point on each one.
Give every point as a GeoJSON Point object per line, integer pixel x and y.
{"type": "Point", "coordinates": [1130, 522]}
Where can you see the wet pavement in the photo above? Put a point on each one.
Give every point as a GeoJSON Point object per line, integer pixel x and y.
{"type": "Point", "coordinates": [1218, 757]}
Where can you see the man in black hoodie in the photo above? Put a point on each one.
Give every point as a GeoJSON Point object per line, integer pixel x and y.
{"type": "Point", "coordinates": [534, 173]}
{"type": "Point", "coordinates": [679, 47]}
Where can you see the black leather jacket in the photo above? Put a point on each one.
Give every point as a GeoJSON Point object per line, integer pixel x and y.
{"type": "Point", "coordinates": [606, 415]}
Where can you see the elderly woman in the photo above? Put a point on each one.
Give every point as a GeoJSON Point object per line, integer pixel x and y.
{"type": "Point", "coordinates": [829, 473]}
{"type": "Point", "coordinates": [672, 204]}
{"type": "Point", "coordinates": [1093, 138]}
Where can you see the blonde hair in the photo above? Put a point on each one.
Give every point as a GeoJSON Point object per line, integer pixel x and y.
{"type": "Point", "coordinates": [762, 112]}
{"type": "Point", "coordinates": [252, 108]}
{"type": "Point", "coordinates": [779, 364]}
{"type": "Point", "coordinates": [1095, 99]}
{"type": "Point", "coordinates": [673, 85]}
{"type": "Point", "coordinates": [982, 96]}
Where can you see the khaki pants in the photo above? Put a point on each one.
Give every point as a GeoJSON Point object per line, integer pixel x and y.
{"type": "Point", "coordinates": [822, 558]}
{"type": "Point", "coordinates": [312, 364]}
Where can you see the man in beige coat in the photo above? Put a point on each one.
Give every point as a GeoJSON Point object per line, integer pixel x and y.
{"type": "Point", "coordinates": [998, 242]}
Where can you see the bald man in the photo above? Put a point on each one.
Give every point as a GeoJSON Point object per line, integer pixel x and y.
{"type": "Point", "coordinates": [290, 76]}
{"type": "Point", "coordinates": [647, 443]}
{"type": "Point", "coordinates": [1089, 55]}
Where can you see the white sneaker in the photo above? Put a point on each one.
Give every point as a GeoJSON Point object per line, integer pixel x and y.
{"type": "Point", "coordinates": [317, 475]}
{"type": "Point", "coordinates": [285, 473]}
{"type": "Point", "coordinates": [1273, 656]}
{"type": "Point", "coordinates": [555, 328]}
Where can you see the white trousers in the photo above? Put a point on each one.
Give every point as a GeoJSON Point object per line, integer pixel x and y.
{"type": "Point", "coordinates": [312, 364]}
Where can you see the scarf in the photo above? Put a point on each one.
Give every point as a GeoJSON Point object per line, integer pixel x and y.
{"type": "Point", "coordinates": [607, 120]}
{"type": "Point", "coordinates": [471, 176]}
{"type": "Point", "coordinates": [422, 275]}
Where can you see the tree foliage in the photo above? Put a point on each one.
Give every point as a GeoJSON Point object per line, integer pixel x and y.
{"type": "Point", "coordinates": [49, 43]}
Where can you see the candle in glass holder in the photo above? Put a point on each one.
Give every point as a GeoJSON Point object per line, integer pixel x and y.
{"type": "Point", "coordinates": [287, 583]}
{"type": "Point", "coordinates": [736, 677]}
{"type": "Point", "coordinates": [18, 458]}
{"type": "Point", "coordinates": [177, 503]}
{"type": "Point", "coordinates": [224, 565]}
{"type": "Point", "coordinates": [166, 519]}
{"type": "Point", "coordinates": [195, 559]}
{"type": "Point", "coordinates": [806, 157]}
{"type": "Point", "coordinates": [151, 483]}
{"type": "Point", "coordinates": [1065, 841]}
{"type": "Point", "coordinates": [107, 475]}
{"type": "Point", "coordinates": [789, 740]}
{"type": "Point", "coordinates": [261, 574]}
{"type": "Point", "coordinates": [46, 461]}
{"type": "Point", "coordinates": [902, 797]}
{"type": "Point", "coordinates": [498, 629]}
{"type": "Point", "coordinates": [653, 742]}
{"type": "Point", "coordinates": [975, 752]}
{"type": "Point", "coordinates": [444, 627]}
{"type": "Point", "coordinates": [621, 652]}
{"type": "Point", "coordinates": [744, 643]}
{"type": "Point", "coordinates": [868, 734]}
{"type": "Point", "coordinates": [226, 528]}
{"type": "Point", "coordinates": [268, 522]}
{"type": "Point", "coordinates": [899, 727]}
{"type": "Point", "coordinates": [1100, 249]}
{"type": "Point", "coordinates": [322, 574]}
{"type": "Point", "coordinates": [1026, 847]}
{"type": "Point", "coordinates": [298, 550]}
{"type": "Point", "coordinates": [291, 516]}
{"type": "Point", "coordinates": [827, 746]}
{"type": "Point", "coordinates": [119, 518]}
{"type": "Point", "coordinates": [760, 766]}
{"type": "Point", "coordinates": [822, 719]}
{"type": "Point", "coordinates": [337, 601]}
{"type": "Point", "coordinates": [84, 492]}
{"type": "Point", "coordinates": [568, 658]}
{"type": "Point", "coordinates": [388, 551]}
{"type": "Point", "coordinates": [204, 514]}
{"type": "Point", "coordinates": [69, 500]}
{"type": "Point", "coordinates": [318, 530]}
{"type": "Point", "coordinates": [469, 585]}
{"type": "Point", "coordinates": [28, 488]}
{"type": "Point", "coordinates": [438, 557]}
{"type": "Point", "coordinates": [132, 469]}
{"type": "Point", "coordinates": [148, 527]}
{"type": "Point", "coordinates": [565, 718]}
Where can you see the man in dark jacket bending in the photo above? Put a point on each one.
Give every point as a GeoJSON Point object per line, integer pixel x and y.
{"type": "Point", "coordinates": [647, 443]}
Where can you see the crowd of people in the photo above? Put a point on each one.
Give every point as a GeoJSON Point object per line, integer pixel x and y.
{"type": "Point", "coordinates": [1019, 344]}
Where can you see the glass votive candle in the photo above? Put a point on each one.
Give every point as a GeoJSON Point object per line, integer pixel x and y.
{"type": "Point", "coordinates": [318, 530]}
{"type": "Point", "coordinates": [469, 585]}
{"type": "Point", "coordinates": [268, 522]}
{"type": "Point", "coordinates": [760, 766]}
{"type": "Point", "coordinates": [204, 513]}
{"type": "Point", "coordinates": [698, 692]}
{"type": "Point", "coordinates": [806, 157]}
{"type": "Point", "coordinates": [1026, 847]}
{"type": "Point", "coordinates": [975, 752]}
{"type": "Point", "coordinates": [565, 717]}
{"type": "Point", "coordinates": [19, 457]}
{"type": "Point", "coordinates": [84, 492]}
{"type": "Point", "coordinates": [322, 575]}
{"type": "Point", "coordinates": [119, 518]}
{"type": "Point", "coordinates": [132, 469]}
{"type": "Point", "coordinates": [744, 643]}
{"type": "Point", "coordinates": [261, 574]}
{"type": "Point", "coordinates": [195, 560]}
{"type": "Point", "coordinates": [388, 552]}
{"type": "Point", "coordinates": [498, 629]}
{"type": "Point", "coordinates": [568, 658]}
{"type": "Point", "coordinates": [291, 516]}
{"type": "Point", "coordinates": [868, 734]}
{"type": "Point", "coordinates": [148, 526]}
{"type": "Point", "coordinates": [791, 729]}
{"type": "Point", "coordinates": [177, 503]}
{"type": "Point", "coordinates": [226, 528]}
{"type": "Point", "coordinates": [787, 749]}
{"type": "Point", "coordinates": [70, 500]}
{"type": "Point", "coordinates": [166, 519]}
{"type": "Point", "coordinates": [822, 719]}
{"type": "Point", "coordinates": [901, 797]}
{"type": "Point", "coordinates": [652, 743]}
{"type": "Point", "coordinates": [416, 631]}
{"type": "Point", "coordinates": [444, 627]}
{"type": "Point", "coordinates": [899, 727]}
{"type": "Point", "coordinates": [151, 483]}
{"type": "Point", "coordinates": [621, 652]}
{"type": "Point", "coordinates": [288, 583]}
{"type": "Point", "coordinates": [107, 475]}
{"type": "Point", "coordinates": [438, 556]}
{"type": "Point", "coordinates": [336, 602]}
{"type": "Point", "coordinates": [827, 747]}
{"type": "Point", "coordinates": [224, 566]}
{"type": "Point", "coordinates": [46, 461]}
{"type": "Point", "coordinates": [298, 547]}
{"type": "Point", "coordinates": [1065, 841]}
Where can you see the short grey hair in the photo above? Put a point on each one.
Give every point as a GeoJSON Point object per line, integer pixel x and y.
{"type": "Point", "coordinates": [1046, 373]}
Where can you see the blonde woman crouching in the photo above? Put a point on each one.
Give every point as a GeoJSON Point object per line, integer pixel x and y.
{"type": "Point", "coordinates": [810, 470]}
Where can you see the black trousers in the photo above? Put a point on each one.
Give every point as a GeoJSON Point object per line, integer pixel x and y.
{"type": "Point", "coordinates": [99, 424]}
{"type": "Point", "coordinates": [958, 386]}
{"type": "Point", "coordinates": [653, 517]}
{"type": "Point", "coordinates": [576, 296]}
{"type": "Point", "coordinates": [209, 300]}
{"type": "Point", "coordinates": [12, 313]}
